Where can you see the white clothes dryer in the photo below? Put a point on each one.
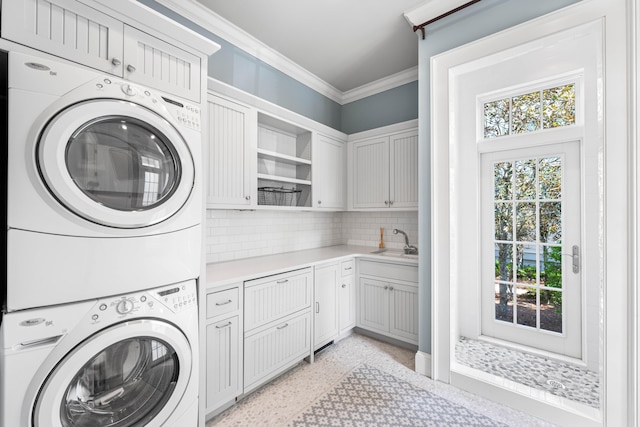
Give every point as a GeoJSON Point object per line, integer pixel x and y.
{"type": "Point", "coordinates": [129, 360]}
{"type": "Point", "coordinates": [104, 185]}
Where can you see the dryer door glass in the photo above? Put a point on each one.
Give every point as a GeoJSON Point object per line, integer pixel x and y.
{"type": "Point", "coordinates": [123, 163]}
{"type": "Point", "coordinates": [126, 384]}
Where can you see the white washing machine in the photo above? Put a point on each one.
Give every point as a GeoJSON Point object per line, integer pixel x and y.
{"type": "Point", "coordinates": [129, 360]}
{"type": "Point", "coordinates": [104, 185]}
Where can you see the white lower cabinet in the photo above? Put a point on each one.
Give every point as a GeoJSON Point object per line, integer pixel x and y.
{"type": "Point", "coordinates": [223, 348]}
{"type": "Point", "coordinates": [223, 361]}
{"type": "Point", "coordinates": [325, 326]}
{"type": "Point", "coordinates": [346, 298]}
{"type": "Point", "coordinates": [274, 348]}
{"type": "Point", "coordinates": [277, 325]}
{"type": "Point", "coordinates": [388, 302]}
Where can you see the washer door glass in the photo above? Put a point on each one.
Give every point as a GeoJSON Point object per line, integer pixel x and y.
{"type": "Point", "coordinates": [116, 163]}
{"type": "Point", "coordinates": [127, 384]}
{"type": "Point", "coordinates": [123, 163]}
{"type": "Point", "coordinates": [131, 374]}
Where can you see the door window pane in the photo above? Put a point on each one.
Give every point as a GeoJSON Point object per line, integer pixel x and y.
{"type": "Point", "coordinates": [525, 112]}
{"type": "Point", "coordinates": [559, 106]}
{"type": "Point", "coordinates": [496, 118]}
{"type": "Point", "coordinates": [123, 163]}
{"type": "Point", "coordinates": [527, 242]}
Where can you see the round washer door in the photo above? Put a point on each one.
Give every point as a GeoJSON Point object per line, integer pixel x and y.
{"type": "Point", "coordinates": [115, 163]}
{"type": "Point", "coordinates": [130, 374]}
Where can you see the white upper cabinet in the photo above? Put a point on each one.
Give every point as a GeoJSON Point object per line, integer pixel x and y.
{"type": "Point", "coordinates": [385, 172]}
{"type": "Point", "coordinates": [403, 170]}
{"type": "Point", "coordinates": [67, 29]}
{"type": "Point", "coordinates": [152, 62]}
{"type": "Point", "coordinates": [328, 172]}
{"type": "Point", "coordinates": [79, 33]}
{"type": "Point", "coordinates": [231, 136]}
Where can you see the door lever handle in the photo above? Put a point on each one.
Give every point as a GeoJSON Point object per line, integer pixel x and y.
{"type": "Point", "coordinates": [575, 256]}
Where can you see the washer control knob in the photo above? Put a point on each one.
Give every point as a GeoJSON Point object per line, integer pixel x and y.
{"type": "Point", "coordinates": [128, 89]}
{"type": "Point", "coordinates": [125, 306]}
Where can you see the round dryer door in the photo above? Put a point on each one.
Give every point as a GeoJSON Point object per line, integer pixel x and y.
{"type": "Point", "coordinates": [116, 163]}
{"type": "Point", "coordinates": [132, 374]}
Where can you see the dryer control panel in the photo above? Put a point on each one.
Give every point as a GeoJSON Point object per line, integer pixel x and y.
{"type": "Point", "coordinates": [179, 297]}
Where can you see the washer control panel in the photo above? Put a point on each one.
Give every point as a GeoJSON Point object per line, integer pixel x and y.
{"type": "Point", "coordinates": [176, 298]}
{"type": "Point", "coordinates": [186, 114]}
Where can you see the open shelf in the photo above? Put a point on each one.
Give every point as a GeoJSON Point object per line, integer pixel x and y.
{"type": "Point", "coordinates": [284, 163]}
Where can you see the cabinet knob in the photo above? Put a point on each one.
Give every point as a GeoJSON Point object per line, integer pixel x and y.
{"type": "Point", "coordinates": [319, 202]}
{"type": "Point", "coordinates": [386, 202]}
{"type": "Point", "coordinates": [386, 287]}
{"type": "Point", "coordinates": [390, 202]}
{"type": "Point", "coordinates": [247, 197]}
{"type": "Point", "coordinates": [344, 285]}
{"type": "Point", "coordinates": [131, 68]}
{"type": "Point", "coordinates": [116, 61]}
{"type": "Point", "coordinates": [390, 288]}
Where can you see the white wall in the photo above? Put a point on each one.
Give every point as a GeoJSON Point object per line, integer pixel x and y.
{"type": "Point", "coordinates": [234, 235]}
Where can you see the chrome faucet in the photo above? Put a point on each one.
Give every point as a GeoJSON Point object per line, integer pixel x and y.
{"type": "Point", "coordinates": [408, 249]}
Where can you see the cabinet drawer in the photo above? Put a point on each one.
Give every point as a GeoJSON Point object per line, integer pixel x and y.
{"type": "Point", "coordinates": [347, 267]}
{"type": "Point", "coordinates": [405, 273]}
{"type": "Point", "coordinates": [269, 351]}
{"type": "Point", "coordinates": [272, 298]}
{"type": "Point", "coordinates": [222, 302]}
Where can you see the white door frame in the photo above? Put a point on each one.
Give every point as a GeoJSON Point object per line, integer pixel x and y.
{"type": "Point", "coordinates": [618, 395]}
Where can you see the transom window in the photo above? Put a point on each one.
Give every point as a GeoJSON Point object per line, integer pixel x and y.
{"type": "Point", "coordinates": [530, 112]}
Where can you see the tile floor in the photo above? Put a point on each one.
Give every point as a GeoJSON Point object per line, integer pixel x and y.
{"type": "Point", "coordinates": [284, 399]}
{"type": "Point", "coordinates": [560, 379]}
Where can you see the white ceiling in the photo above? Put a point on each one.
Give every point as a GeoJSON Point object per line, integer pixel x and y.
{"type": "Point", "coordinates": [346, 43]}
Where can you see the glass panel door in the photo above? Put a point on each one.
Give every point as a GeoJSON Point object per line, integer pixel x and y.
{"type": "Point", "coordinates": [531, 238]}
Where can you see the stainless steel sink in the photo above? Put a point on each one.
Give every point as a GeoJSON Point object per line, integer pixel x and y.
{"type": "Point", "coordinates": [396, 254]}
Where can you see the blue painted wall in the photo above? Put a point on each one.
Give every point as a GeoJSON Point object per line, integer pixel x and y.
{"type": "Point", "coordinates": [480, 20]}
{"type": "Point", "coordinates": [386, 108]}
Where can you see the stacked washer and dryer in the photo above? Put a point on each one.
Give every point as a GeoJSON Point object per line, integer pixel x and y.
{"type": "Point", "coordinates": [100, 317]}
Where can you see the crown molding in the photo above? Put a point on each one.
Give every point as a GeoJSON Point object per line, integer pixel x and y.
{"type": "Point", "coordinates": [398, 79]}
{"type": "Point", "coordinates": [207, 19]}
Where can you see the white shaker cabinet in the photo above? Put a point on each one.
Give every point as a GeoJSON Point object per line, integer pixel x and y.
{"type": "Point", "coordinates": [325, 318]}
{"type": "Point", "coordinates": [74, 31]}
{"type": "Point", "coordinates": [277, 325]}
{"type": "Point", "coordinates": [231, 161]}
{"type": "Point", "coordinates": [346, 297]}
{"type": "Point", "coordinates": [388, 301]}
{"type": "Point", "coordinates": [328, 173]}
{"type": "Point", "coordinates": [385, 172]}
{"type": "Point", "coordinates": [223, 354]}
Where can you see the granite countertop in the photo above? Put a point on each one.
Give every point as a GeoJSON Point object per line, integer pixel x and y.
{"type": "Point", "coordinates": [224, 273]}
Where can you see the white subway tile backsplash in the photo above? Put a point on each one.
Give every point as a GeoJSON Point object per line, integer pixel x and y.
{"type": "Point", "coordinates": [234, 235]}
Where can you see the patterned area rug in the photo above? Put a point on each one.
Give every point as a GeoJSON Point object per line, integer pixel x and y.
{"type": "Point", "coordinates": [369, 397]}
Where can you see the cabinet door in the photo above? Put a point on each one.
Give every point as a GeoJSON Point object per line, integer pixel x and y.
{"type": "Point", "coordinates": [403, 174]}
{"type": "Point", "coordinates": [230, 143]}
{"type": "Point", "coordinates": [370, 185]}
{"type": "Point", "coordinates": [158, 64]}
{"type": "Point", "coordinates": [403, 316]}
{"type": "Point", "coordinates": [326, 304]}
{"type": "Point", "coordinates": [374, 305]}
{"type": "Point", "coordinates": [271, 350]}
{"type": "Point", "coordinates": [267, 300]}
{"type": "Point", "coordinates": [328, 173]}
{"type": "Point", "coordinates": [223, 355]}
{"type": "Point", "coordinates": [347, 304]}
{"type": "Point", "coordinates": [68, 29]}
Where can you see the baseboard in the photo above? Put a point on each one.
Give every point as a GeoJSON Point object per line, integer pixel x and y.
{"type": "Point", "coordinates": [423, 363]}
